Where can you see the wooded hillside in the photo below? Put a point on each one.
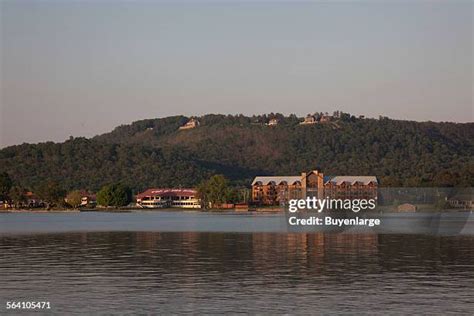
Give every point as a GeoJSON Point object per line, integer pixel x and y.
{"type": "Point", "coordinates": [155, 153]}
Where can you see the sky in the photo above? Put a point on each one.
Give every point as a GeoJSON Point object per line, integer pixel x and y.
{"type": "Point", "coordinates": [81, 68]}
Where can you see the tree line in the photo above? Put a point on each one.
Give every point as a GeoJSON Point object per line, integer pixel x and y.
{"type": "Point", "coordinates": [51, 195]}
{"type": "Point", "coordinates": [213, 193]}
{"type": "Point", "coordinates": [154, 153]}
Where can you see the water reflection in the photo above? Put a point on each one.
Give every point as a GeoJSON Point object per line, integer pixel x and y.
{"type": "Point", "coordinates": [229, 272]}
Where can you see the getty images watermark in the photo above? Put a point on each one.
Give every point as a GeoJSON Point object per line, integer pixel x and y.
{"type": "Point", "coordinates": [446, 211]}
{"type": "Point", "coordinates": [319, 205]}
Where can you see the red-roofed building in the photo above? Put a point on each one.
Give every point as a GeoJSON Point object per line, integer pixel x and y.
{"type": "Point", "coordinates": [161, 198]}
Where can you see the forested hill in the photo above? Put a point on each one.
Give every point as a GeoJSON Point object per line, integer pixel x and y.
{"type": "Point", "coordinates": [155, 153]}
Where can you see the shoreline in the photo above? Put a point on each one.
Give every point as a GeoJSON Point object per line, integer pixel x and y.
{"type": "Point", "coordinates": [214, 211]}
{"type": "Point", "coordinates": [132, 210]}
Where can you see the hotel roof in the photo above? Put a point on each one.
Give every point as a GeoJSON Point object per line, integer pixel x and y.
{"type": "Point", "coordinates": [276, 179]}
{"type": "Point", "coordinates": [337, 180]}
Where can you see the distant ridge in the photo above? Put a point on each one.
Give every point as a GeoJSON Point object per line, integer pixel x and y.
{"type": "Point", "coordinates": [156, 153]}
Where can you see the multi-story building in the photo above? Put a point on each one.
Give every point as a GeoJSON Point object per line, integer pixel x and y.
{"type": "Point", "coordinates": [275, 190]}
{"type": "Point", "coordinates": [351, 187]}
{"type": "Point", "coordinates": [162, 198]}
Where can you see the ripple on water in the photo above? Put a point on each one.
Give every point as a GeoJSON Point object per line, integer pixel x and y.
{"type": "Point", "coordinates": [229, 272]}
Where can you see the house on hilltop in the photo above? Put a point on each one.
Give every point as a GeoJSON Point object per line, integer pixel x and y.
{"type": "Point", "coordinates": [325, 118]}
{"type": "Point", "coordinates": [317, 118]}
{"type": "Point", "coordinates": [273, 122]}
{"type": "Point", "coordinates": [192, 123]}
{"type": "Point", "coordinates": [309, 119]}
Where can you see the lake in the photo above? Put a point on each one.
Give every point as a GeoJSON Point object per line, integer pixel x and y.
{"type": "Point", "coordinates": [174, 262]}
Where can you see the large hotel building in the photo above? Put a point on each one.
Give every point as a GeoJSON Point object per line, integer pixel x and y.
{"type": "Point", "coordinates": [276, 190]}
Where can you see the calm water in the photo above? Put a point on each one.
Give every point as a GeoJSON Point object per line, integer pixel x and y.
{"type": "Point", "coordinates": [216, 272]}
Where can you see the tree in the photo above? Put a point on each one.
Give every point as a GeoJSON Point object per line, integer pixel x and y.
{"type": "Point", "coordinates": [433, 154]}
{"type": "Point", "coordinates": [104, 196]}
{"type": "Point", "coordinates": [18, 195]}
{"type": "Point", "coordinates": [5, 186]}
{"type": "Point", "coordinates": [51, 193]}
{"type": "Point", "coordinates": [214, 191]}
{"type": "Point", "coordinates": [122, 195]}
{"type": "Point", "coordinates": [115, 195]}
{"type": "Point", "coordinates": [239, 195]}
{"type": "Point", "coordinates": [74, 198]}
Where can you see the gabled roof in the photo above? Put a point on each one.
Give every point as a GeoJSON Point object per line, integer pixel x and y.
{"type": "Point", "coordinates": [337, 180]}
{"type": "Point", "coordinates": [276, 179]}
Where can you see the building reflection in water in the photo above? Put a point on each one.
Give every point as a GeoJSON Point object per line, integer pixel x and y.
{"type": "Point", "coordinates": [223, 272]}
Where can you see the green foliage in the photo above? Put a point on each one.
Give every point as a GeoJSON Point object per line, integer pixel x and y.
{"type": "Point", "coordinates": [115, 195]}
{"type": "Point", "coordinates": [18, 195]}
{"type": "Point", "coordinates": [214, 191]}
{"type": "Point", "coordinates": [5, 186]}
{"type": "Point", "coordinates": [154, 153]}
{"type": "Point", "coordinates": [51, 193]}
{"type": "Point", "coordinates": [74, 198]}
{"type": "Point", "coordinates": [239, 195]}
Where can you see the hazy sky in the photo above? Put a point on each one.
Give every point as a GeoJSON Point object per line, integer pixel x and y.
{"type": "Point", "coordinates": [83, 67]}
